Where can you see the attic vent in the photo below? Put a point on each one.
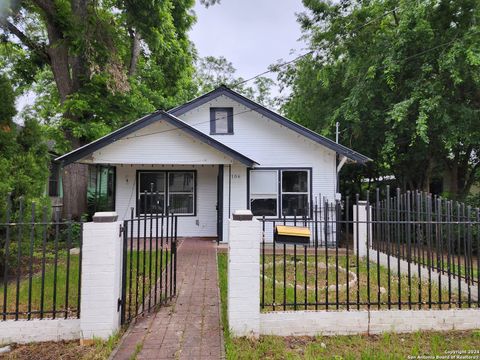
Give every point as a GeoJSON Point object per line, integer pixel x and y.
{"type": "Point", "coordinates": [221, 121]}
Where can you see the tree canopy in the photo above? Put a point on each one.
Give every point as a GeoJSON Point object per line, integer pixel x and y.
{"type": "Point", "coordinates": [97, 65]}
{"type": "Point", "coordinates": [211, 72]}
{"type": "Point", "coordinates": [402, 78]}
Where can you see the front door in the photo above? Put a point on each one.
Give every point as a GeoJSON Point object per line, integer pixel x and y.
{"type": "Point", "coordinates": [220, 203]}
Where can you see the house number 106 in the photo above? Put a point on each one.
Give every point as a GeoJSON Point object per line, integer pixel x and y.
{"type": "Point", "coordinates": [235, 176]}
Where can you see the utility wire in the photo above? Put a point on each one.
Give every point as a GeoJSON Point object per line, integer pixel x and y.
{"type": "Point", "coordinates": [257, 107]}
{"type": "Point", "coordinates": [277, 66]}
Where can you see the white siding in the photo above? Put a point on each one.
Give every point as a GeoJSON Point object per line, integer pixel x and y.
{"type": "Point", "coordinates": [257, 137]}
{"type": "Point", "coordinates": [160, 143]}
{"type": "Point", "coordinates": [234, 193]}
{"type": "Point", "coordinates": [270, 144]}
{"type": "Point", "coordinates": [205, 221]}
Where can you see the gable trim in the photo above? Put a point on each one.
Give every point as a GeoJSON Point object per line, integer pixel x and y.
{"type": "Point", "coordinates": [114, 136]}
{"type": "Point", "coordinates": [223, 90]}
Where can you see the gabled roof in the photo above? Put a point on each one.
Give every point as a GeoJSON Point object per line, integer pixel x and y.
{"type": "Point", "coordinates": [83, 151]}
{"type": "Point", "coordinates": [223, 90]}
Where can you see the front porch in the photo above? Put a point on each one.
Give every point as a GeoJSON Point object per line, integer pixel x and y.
{"type": "Point", "coordinates": [202, 196]}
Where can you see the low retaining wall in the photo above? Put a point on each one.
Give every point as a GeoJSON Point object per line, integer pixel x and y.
{"type": "Point", "coordinates": [312, 323]}
{"type": "Point", "coordinates": [244, 299]}
{"type": "Point", "coordinates": [26, 331]}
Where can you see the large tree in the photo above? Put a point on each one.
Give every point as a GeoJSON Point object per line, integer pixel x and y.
{"type": "Point", "coordinates": [402, 78]}
{"type": "Point", "coordinates": [94, 66]}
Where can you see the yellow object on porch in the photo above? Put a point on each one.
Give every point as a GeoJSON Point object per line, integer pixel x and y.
{"type": "Point", "coordinates": [293, 231]}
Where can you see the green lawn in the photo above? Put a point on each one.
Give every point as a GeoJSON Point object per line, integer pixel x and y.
{"type": "Point", "coordinates": [57, 283]}
{"type": "Point", "coordinates": [141, 279]}
{"type": "Point", "coordinates": [386, 346]}
{"type": "Point", "coordinates": [358, 277]}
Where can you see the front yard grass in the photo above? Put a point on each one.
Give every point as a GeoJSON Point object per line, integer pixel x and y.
{"type": "Point", "coordinates": [359, 275]}
{"type": "Point", "coordinates": [51, 282]}
{"type": "Point", "coordinates": [385, 346]}
{"type": "Point", "coordinates": [138, 257]}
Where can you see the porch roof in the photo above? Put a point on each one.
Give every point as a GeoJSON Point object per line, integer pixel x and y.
{"type": "Point", "coordinates": [141, 123]}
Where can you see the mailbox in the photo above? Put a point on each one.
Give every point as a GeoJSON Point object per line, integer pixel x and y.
{"type": "Point", "coordinates": [292, 234]}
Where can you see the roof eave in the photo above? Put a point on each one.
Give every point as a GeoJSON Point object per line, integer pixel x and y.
{"type": "Point", "coordinates": [322, 140]}
{"type": "Point", "coordinates": [82, 152]}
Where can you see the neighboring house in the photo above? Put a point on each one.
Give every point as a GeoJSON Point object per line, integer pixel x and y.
{"type": "Point", "coordinates": [213, 155]}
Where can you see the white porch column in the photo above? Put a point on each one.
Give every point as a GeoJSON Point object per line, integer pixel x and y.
{"type": "Point", "coordinates": [101, 277]}
{"type": "Point", "coordinates": [245, 234]}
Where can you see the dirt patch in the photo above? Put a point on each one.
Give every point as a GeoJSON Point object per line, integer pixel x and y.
{"type": "Point", "coordinates": [64, 350]}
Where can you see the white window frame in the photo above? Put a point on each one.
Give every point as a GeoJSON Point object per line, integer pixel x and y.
{"type": "Point", "coordinates": [264, 195]}
{"type": "Point", "coordinates": [279, 171]}
{"type": "Point", "coordinates": [308, 192]}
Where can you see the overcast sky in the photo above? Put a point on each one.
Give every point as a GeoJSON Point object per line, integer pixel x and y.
{"type": "Point", "coordinates": [252, 34]}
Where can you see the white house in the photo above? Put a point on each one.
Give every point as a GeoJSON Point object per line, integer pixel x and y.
{"type": "Point", "coordinates": [213, 155]}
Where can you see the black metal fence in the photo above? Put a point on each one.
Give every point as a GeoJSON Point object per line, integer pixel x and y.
{"type": "Point", "coordinates": [40, 263]}
{"type": "Point", "coordinates": [419, 256]}
{"type": "Point", "coordinates": [149, 263]}
{"type": "Point", "coordinates": [436, 236]}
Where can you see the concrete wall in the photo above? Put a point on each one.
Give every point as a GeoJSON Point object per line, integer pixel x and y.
{"type": "Point", "coordinates": [100, 291]}
{"type": "Point", "coordinates": [311, 323]}
{"type": "Point", "coordinates": [27, 331]}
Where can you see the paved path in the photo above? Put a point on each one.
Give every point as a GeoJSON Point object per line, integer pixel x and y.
{"type": "Point", "coordinates": [189, 328]}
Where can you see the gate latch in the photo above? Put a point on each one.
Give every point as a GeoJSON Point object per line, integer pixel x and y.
{"type": "Point", "coordinates": [122, 229]}
{"type": "Point", "coordinates": [119, 304]}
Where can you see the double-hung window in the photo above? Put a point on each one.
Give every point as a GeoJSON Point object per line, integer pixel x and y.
{"type": "Point", "coordinates": [158, 191]}
{"type": "Point", "coordinates": [280, 192]}
{"type": "Point", "coordinates": [264, 192]}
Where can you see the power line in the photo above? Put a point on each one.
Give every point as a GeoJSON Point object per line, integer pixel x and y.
{"type": "Point", "coordinates": [255, 108]}
{"type": "Point", "coordinates": [274, 67]}
{"type": "Point", "coordinates": [277, 66]}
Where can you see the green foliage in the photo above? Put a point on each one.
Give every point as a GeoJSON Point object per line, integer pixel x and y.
{"type": "Point", "coordinates": [24, 156]}
{"type": "Point", "coordinates": [402, 80]}
{"type": "Point", "coordinates": [213, 72]}
{"type": "Point", "coordinates": [125, 58]}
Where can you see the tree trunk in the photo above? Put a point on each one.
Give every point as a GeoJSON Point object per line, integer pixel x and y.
{"type": "Point", "coordinates": [79, 64]}
{"type": "Point", "coordinates": [135, 53]}
{"type": "Point", "coordinates": [75, 182]}
{"type": "Point", "coordinates": [58, 54]}
{"type": "Point", "coordinates": [452, 179]}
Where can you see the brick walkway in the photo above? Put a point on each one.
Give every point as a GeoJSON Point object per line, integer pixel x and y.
{"type": "Point", "coordinates": [190, 327]}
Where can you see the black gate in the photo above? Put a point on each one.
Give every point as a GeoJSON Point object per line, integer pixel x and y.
{"type": "Point", "coordinates": [149, 263]}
